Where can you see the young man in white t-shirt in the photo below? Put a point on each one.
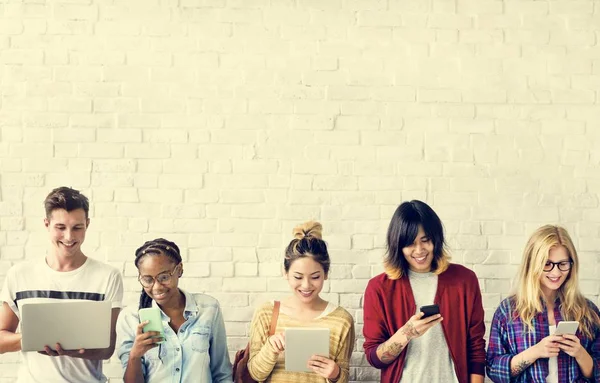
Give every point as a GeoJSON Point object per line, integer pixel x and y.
{"type": "Point", "coordinates": [66, 273]}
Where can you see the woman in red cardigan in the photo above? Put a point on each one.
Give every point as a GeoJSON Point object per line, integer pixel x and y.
{"type": "Point", "coordinates": [407, 347]}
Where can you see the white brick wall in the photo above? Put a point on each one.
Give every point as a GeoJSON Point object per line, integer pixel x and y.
{"type": "Point", "coordinates": [221, 124]}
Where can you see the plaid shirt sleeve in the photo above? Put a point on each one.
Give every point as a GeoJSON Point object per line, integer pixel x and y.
{"type": "Point", "coordinates": [594, 349]}
{"type": "Point", "coordinates": [498, 355]}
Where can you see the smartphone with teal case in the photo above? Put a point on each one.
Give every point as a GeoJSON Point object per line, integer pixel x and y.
{"type": "Point", "coordinates": [152, 315]}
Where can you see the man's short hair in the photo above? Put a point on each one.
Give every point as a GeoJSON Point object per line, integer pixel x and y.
{"type": "Point", "coordinates": [66, 198]}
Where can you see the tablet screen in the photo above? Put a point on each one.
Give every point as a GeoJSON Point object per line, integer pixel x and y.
{"type": "Point", "coordinates": [303, 342]}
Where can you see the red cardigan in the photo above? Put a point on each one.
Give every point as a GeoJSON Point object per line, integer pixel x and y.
{"type": "Point", "coordinates": [388, 305]}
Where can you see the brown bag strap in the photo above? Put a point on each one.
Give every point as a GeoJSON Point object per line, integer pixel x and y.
{"type": "Point", "coordinates": [274, 318]}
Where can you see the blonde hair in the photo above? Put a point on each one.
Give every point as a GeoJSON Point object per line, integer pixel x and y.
{"type": "Point", "coordinates": [307, 242]}
{"type": "Point", "coordinates": [528, 303]}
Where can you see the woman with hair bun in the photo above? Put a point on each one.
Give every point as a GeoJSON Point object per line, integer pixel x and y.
{"type": "Point", "coordinates": [306, 267]}
{"type": "Point", "coordinates": [194, 347]}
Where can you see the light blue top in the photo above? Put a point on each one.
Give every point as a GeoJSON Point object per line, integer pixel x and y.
{"type": "Point", "coordinates": [196, 353]}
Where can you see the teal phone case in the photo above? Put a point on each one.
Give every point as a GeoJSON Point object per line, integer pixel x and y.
{"type": "Point", "coordinates": [152, 314]}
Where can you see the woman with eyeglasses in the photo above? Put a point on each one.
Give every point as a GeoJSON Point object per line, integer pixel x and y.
{"type": "Point", "coordinates": [194, 348]}
{"type": "Point", "coordinates": [522, 347]}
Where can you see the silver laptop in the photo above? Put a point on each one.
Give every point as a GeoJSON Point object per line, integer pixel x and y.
{"type": "Point", "coordinates": [74, 324]}
{"type": "Point", "coordinates": [303, 342]}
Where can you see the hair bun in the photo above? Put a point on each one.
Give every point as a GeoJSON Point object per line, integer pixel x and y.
{"type": "Point", "coordinates": [310, 229]}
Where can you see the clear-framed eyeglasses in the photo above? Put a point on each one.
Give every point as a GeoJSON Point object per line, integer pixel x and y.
{"type": "Point", "coordinates": [562, 266]}
{"type": "Point", "coordinates": [162, 278]}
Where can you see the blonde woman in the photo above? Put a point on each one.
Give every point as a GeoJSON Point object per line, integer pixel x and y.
{"type": "Point", "coordinates": [306, 267]}
{"type": "Point", "coordinates": [522, 348]}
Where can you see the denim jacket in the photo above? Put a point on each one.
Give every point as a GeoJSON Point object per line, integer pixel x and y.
{"type": "Point", "coordinates": [196, 353]}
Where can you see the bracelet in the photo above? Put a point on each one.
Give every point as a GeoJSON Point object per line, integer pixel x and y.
{"type": "Point", "coordinates": [338, 375]}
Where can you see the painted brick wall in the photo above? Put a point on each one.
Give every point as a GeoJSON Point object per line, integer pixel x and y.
{"type": "Point", "coordinates": [220, 124]}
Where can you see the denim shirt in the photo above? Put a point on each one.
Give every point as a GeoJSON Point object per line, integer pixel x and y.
{"type": "Point", "coordinates": [196, 353]}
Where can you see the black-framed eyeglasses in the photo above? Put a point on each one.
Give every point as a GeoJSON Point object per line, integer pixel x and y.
{"type": "Point", "coordinates": [562, 266]}
{"type": "Point", "coordinates": [162, 278]}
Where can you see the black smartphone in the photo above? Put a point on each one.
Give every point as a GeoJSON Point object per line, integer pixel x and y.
{"type": "Point", "coordinates": [429, 310]}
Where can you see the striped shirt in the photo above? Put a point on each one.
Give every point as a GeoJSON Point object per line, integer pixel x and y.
{"type": "Point", "coordinates": [36, 282]}
{"type": "Point", "coordinates": [268, 366]}
{"type": "Point", "coordinates": [509, 336]}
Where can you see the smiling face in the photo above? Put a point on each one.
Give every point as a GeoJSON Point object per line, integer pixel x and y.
{"type": "Point", "coordinates": [306, 278]}
{"type": "Point", "coordinates": [67, 231]}
{"type": "Point", "coordinates": [419, 254]}
{"type": "Point", "coordinates": [153, 265]}
{"type": "Point", "coordinates": [552, 280]}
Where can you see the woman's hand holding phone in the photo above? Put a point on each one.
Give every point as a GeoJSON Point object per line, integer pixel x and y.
{"type": "Point", "coordinates": [144, 341]}
{"type": "Point", "coordinates": [417, 325]}
{"type": "Point", "coordinates": [548, 347]}
{"type": "Point", "coordinates": [571, 345]}
{"type": "Point", "coordinates": [567, 340]}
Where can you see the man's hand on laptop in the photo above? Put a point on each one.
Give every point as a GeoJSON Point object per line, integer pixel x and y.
{"type": "Point", "coordinates": [60, 352]}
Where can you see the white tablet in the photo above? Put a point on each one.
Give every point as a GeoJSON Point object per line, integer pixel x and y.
{"type": "Point", "coordinates": [303, 342]}
{"type": "Point", "coordinates": [74, 324]}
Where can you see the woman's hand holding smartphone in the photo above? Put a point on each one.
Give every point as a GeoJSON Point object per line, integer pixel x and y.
{"type": "Point", "coordinates": [429, 310]}
{"type": "Point", "coordinates": [418, 324]}
{"type": "Point", "coordinates": [149, 333]}
{"type": "Point", "coordinates": [569, 343]}
{"type": "Point", "coordinates": [144, 341]}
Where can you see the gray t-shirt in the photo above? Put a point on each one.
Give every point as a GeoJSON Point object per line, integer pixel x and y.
{"type": "Point", "coordinates": [427, 357]}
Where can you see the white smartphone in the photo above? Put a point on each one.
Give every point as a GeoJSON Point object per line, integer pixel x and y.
{"type": "Point", "coordinates": [566, 327]}
{"type": "Point", "coordinates": [152, 315]}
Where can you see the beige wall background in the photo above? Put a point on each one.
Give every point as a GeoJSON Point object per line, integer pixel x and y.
{"type": "Point", "coordinates": [220, 124]}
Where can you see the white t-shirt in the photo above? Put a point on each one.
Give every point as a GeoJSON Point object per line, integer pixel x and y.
{"type": "Point", "coordinates": [328, 310]}
{"type": "Point", "coordinates": [552, 364]}
{"type": "Point", "coordinates": [428, 357]}
{"type": "Point", "coordinates": [37, 282]}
